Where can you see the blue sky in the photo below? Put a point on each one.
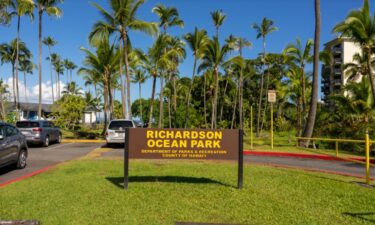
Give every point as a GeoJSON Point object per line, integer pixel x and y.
{"type": "Point", "coordinates": [294, 18]}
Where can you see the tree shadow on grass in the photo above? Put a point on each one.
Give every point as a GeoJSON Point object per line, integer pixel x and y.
{"type": "Point", "coordinates": [361, 216]}
{"type": "Point", "coordinates": [119, 181]}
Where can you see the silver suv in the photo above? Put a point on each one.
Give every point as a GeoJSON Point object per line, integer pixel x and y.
{"type": "Point", "coordinates": [115, 133]}
{"type": "Point", "coordinates": [40, 132]}
{"type": "Point", "coordinates": [13, 146]}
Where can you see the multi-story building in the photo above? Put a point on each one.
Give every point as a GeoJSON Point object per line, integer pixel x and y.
{"type": "Point", "coordinates": [333, 75]}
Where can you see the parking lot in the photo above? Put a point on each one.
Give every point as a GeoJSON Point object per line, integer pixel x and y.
{"type": "Point", "coordinates": [40, 158]}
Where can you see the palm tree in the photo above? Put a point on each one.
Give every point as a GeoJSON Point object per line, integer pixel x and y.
{"type": "Point", "coordinates": [5, 16]}
{"type": "Point", "coordinates": [66, 66]}
{"type": "Point", "coordinates": [121, 19]}
{"type": "Point", "coordinates": [50, 42]}
{"type": "Point", "coordinates": [218, 18]}
{"type": "Point", "coordinates": [359, 103]}
{"type": "Point", "coordinates": [103, 64]}
{"type": "Point", "coordinates": [140, 77]}
{"type": "Point", "coordinates": [197, 41]}
{"type": "Point", "coordinates": [214, 57]}
{"type": "Point", "coordinates": [72, 89]}
{"type": "Point", "coordinates": [359, 27]}
{"type": "Point", "coordinates": [26, 66]}
{"type": "Point", "coordinates": [358, 67]}
{"type": "Point", "coordinates": [71, 67]}
{"type": "Point", "coordinates": [168, 17]}
{"type": "Point", "coordinates": [240, 44]}
{"type": "Point", "coordinates": [176, 52]}
{"type": "Point", "coordinates": [301, 56]}
{"type": "Point", "coordinates": [8, 54]}
{"type": "Point", "coordinates": [314, 94]}
{"type": "Point", "coordinates": [59, 69]}
{"type": "Point", "coordinates": [158, 61]}
{"type": "Point", "coordinates": [21, 8]}
{"type": "Point", "coordinates": [50, 7]}
{"type": "Point", "coordinates": [266, 27]}
{"type": "Point", "coordinates": [295, 89]}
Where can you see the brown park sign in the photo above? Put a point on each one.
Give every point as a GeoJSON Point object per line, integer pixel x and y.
{"type": "Point", "coordinates": [198, 144]}
{"type": "Point", "coordinates": [183, 144]}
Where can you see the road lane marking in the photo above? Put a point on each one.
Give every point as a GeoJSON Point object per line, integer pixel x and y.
{"type": "Point", "coordinates": [61, 145]}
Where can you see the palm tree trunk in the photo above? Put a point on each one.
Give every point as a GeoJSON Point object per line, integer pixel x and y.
{"type": "Point", "coordinates": [123, 96]}
{"type": "Point", "coordinates": [169, 112]}
{"type": "Point", "coordinates": [241, 98]}
{"type": "Point", "coordinates": [261, 91]}
{"type": "Point", "coordinates": [125, 40]}
{"type": "Point", "coordinates": [214, 100]}
{"type": "Point", "coordinates": [189, 93]}
{"type": "Point", "coordinates": [50, 64]}
{"type": "Point", "coordinates": [299, 117]}
{"type": "Point", "coordinates": [110, 96]}
{"type": "Point", "coordinates": [40, 10]}
{"type": "Point", "coordinates": [204, 101]}
{"type": "Point", "coordinates": [234, 110]}
{"type": "Point", "coordinates": [17, 62]}
{"type": "Point", "coordinates": [14, 87]}
{"type": "Point", "coordinates": [140, 100]}
{"type": "Point", "coordinates": [174, 102]}
{"type": "Point", "coordinates": [152, 101]}
{"type": "Point", "coordinates": [309, 128]}
{"type": "Point", "coordinates": [222, 104]}
{"type": "Point", "coordinates": [58, 85]}
{"type": "Point", "coordinates": [303, 91]}
{"type": "Point", "coordinates": [161, 113]}
{"type": "Point", "coordinates": [3, 116]}
{"type": "Point", "coordinates": [105, 107]}
{"type": "Point", "coordinates": [266, 102]}
{"type": "Point", "coordinates": [24, 81]}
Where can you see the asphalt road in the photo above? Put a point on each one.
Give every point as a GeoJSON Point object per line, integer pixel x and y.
{"type": "Point", "coordinates": [41, 157]}
{"type": "Point", "coordinates": [337, 167]}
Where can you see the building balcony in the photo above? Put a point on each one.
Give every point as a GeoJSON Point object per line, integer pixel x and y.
{"type": "Point", "coordinates": [337, 50]}
{"type": "Point", "coordinates": [337, 82]}
{"type": "Point", "coordinates": [337, 71]}
{"type": "Point", "coordinates": [337, 61]}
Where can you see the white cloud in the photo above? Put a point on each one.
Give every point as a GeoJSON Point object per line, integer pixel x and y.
{"type": "Point", "coordinates": [33, 91]}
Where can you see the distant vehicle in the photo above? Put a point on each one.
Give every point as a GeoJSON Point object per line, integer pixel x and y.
{"type": "Point", "coordinates": [40, 132]}
{"type": "Point", "coordinates": [13, 146]}
{"type": "Point", "coordinates": [115, 133]}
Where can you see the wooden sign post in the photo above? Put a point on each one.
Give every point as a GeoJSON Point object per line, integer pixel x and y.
{"type": "Point", "coordinates": [198, 144]}
{"type": "Point", "coordinates": [271, 100]}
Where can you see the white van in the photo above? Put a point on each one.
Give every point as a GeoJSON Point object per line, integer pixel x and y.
{"type": "Point", "coordinates": [115, 133]}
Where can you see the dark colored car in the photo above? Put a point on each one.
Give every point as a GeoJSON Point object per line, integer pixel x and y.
{"type": "Point", "coordinates": [40, 132]}
{"type": "Point", "coordinates": [13, 146]}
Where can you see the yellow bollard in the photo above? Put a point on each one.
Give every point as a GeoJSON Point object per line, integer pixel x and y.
{"type": "Point", "coordinates": [367, 143]}
{"type": "Point", "coordinates": [251, 128]}
{"type": "Point", "coordinates": [337, 149]}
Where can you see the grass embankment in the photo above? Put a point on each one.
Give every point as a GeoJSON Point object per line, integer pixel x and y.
{"type": "Point", "coordinates": [90, 191]}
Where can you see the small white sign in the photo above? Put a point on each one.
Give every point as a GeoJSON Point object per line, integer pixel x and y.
{"type": "Point", "coordinates": [271, 96]}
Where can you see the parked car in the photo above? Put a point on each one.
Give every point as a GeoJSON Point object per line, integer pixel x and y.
{"type": "Point", "coordinates": [13, 146]}
{"type": "Point", "coordinates": [40, 132]}
{"type": "Point", "coordinates": [115, 133]}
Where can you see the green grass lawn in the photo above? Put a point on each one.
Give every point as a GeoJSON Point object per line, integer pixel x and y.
{"type": "Point", "coordinates": [89, 191]}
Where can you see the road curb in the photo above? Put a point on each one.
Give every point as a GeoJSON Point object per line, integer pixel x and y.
{"type": "Point", "coordinates": [34, 173]}
{"type": "Point", "coordinates": [303, 155]}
